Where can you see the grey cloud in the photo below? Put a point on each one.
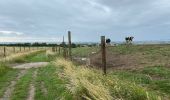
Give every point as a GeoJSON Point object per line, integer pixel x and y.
{"type": "Point", "coordinates": [86, 18]}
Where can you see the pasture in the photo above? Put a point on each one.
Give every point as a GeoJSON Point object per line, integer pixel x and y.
{"type": "Point", "coordinates": [134, 72]}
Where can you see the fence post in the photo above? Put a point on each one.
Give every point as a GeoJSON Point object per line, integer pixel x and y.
{"type": "Point", "coordinates": [24, 48]}
{"type": "Point", "coordinates": [53, 49]}
{"type": "Point", "coordinates": [14, 49]}
{"type": "Point", "coordinates": [20, 48]}
{"type": "Point", "coordinates": [4, 51]}
{"type": "Point", "coordinates": [56, 49]}
{"type": "Point", "coordinates": [69, 45]}
{"type": "Point", "coordinates": [64, 49]}
{"type": "Point", "coordinates": [103, 50]}
{"type": "Point", "coordinates": [59, 50]}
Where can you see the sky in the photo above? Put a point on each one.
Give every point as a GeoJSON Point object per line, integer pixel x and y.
{"type": "Point", "coordinates": [50, 20]}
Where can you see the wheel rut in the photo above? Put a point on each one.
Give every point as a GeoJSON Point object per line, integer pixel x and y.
{"type": "Point", "coordinates": [31, 94]}
{"type": "Point", "coordinates": [10, 88]}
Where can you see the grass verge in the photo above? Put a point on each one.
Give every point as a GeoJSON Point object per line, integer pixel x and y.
{"type": "Point", "coordinates": [154, 78]}
{"type": "Point", "coordinates": [53, 87]}
{"type": "Point", "coordinates": [6, 76]}
{"type": "Point", "coordinates": [92, 85]}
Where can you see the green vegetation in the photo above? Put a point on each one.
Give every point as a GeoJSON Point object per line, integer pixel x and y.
{"type": "Point", "coordinates": [6, 78]}
{"type": "Point", "coordinates": [29, 58]}
{"type": "Point", "coordinates": [91, 84]}
{"type": "Point", "coordinates": [63, 80]}
{"type": "Point", "coordinates": [84, 51]}
{"type": "Point", "coordinates": [3, 69]}
{"type": "Point", "coordinates": [50, 86]}
{"type": "Point", "coordinates": [155, 78]}
{"type": "Point", "coordinates": [22, 87]}
{"type": "Point", "coordinates": [133, 49]}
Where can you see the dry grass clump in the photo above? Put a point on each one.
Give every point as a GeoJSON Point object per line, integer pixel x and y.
{"type": "Point", "coordinates": [18, 55]}
{"type": "Point", "coordinates": [90, 84]}
{"type": "Point", "coordinates": [83, 82]}
{"type": "Point", "coordinates": [50, 53]}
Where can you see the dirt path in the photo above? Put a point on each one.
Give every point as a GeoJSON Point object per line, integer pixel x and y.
{"type": "Point", "coordinates": [24, 68]}
{"type": "Point", "coordinates": [32, 87]}
{"type": "Point", "coordinates": [11, 87]}
{"type": "Point", "coordinates": [31, 65]}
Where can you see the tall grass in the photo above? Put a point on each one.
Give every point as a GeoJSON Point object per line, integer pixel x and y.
{"type": "Point", "coordinates": [90, 84]}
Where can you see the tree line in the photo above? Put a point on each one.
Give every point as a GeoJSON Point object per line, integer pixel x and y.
{"type": "Point", "coordinates": [37, 44]}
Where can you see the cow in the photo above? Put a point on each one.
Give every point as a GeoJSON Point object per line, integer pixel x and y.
{"type": "Point", "coordinates": [129, 39]}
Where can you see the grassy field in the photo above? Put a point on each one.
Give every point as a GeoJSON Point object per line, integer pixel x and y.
{"type": "Point", "coordinates": [84, 51]}
{"type": "Point", "coordinates": [63, 80]}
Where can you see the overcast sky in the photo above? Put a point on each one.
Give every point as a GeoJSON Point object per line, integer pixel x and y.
{"type": "Point", "coordinates": [49, 20]}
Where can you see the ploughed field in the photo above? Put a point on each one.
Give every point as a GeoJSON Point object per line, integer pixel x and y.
{"type": "Point", "coordinates": [134, 73]}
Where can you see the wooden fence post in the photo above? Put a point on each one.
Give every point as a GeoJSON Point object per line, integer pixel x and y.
{"type": "Point", "coordinates": [59, 50]}
{"type": "Point", "coordinates": [69, 45]}
{"type": "Point", "coordinates": [103, 50]}
{"type": "Point", "coordinates": [24, 48]}
{"type": "Point", "coordinates": [56, 49]}
{"type": "Point", "coordinates": [53, 49]}
{"type": "Point", "coordinates": [64, 49]}
{"type": "Point", "coordinates": [14, 49]}
{"type": "Point", "coordinates": [20, 49]}
{"type": "Point", "coordinates": [4, 51]}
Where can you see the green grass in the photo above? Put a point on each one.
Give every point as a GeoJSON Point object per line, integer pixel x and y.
{"type": "Point", "coordinates": [126, 84]}
{"type": "Point", "coordinates": [32, 57]}
{"type": "Point", "coordinates": [148, 49]}
{"type": "Point", "coordinates": [157, 71]}
{"type": "Point", "coordinates": [22, 87]}
{"type": "Point", "coordinates": [3, 68]}
{"type": "Point", "coordinates": [90, 83]}
{"type": "Point", "coordinates": [84, 51]}
{"type": "Point", "coordinates": [39, 56]}
{"type": "Point", "coordinates": [6, 75]}
{"type": "Point", "coordinates": [156, 79]}
{"type": "Point", "coordinates": [133, 77]}
{"type": "Point", "coordinates": [6, 78]}
{"type": "Point", "coordinates": [53, 84]}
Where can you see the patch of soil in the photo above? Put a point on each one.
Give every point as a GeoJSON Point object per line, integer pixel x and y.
{"type": "Point", "coordinates": [30, 65]}
{"type": "Point", "coordinates": [118, 61]}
